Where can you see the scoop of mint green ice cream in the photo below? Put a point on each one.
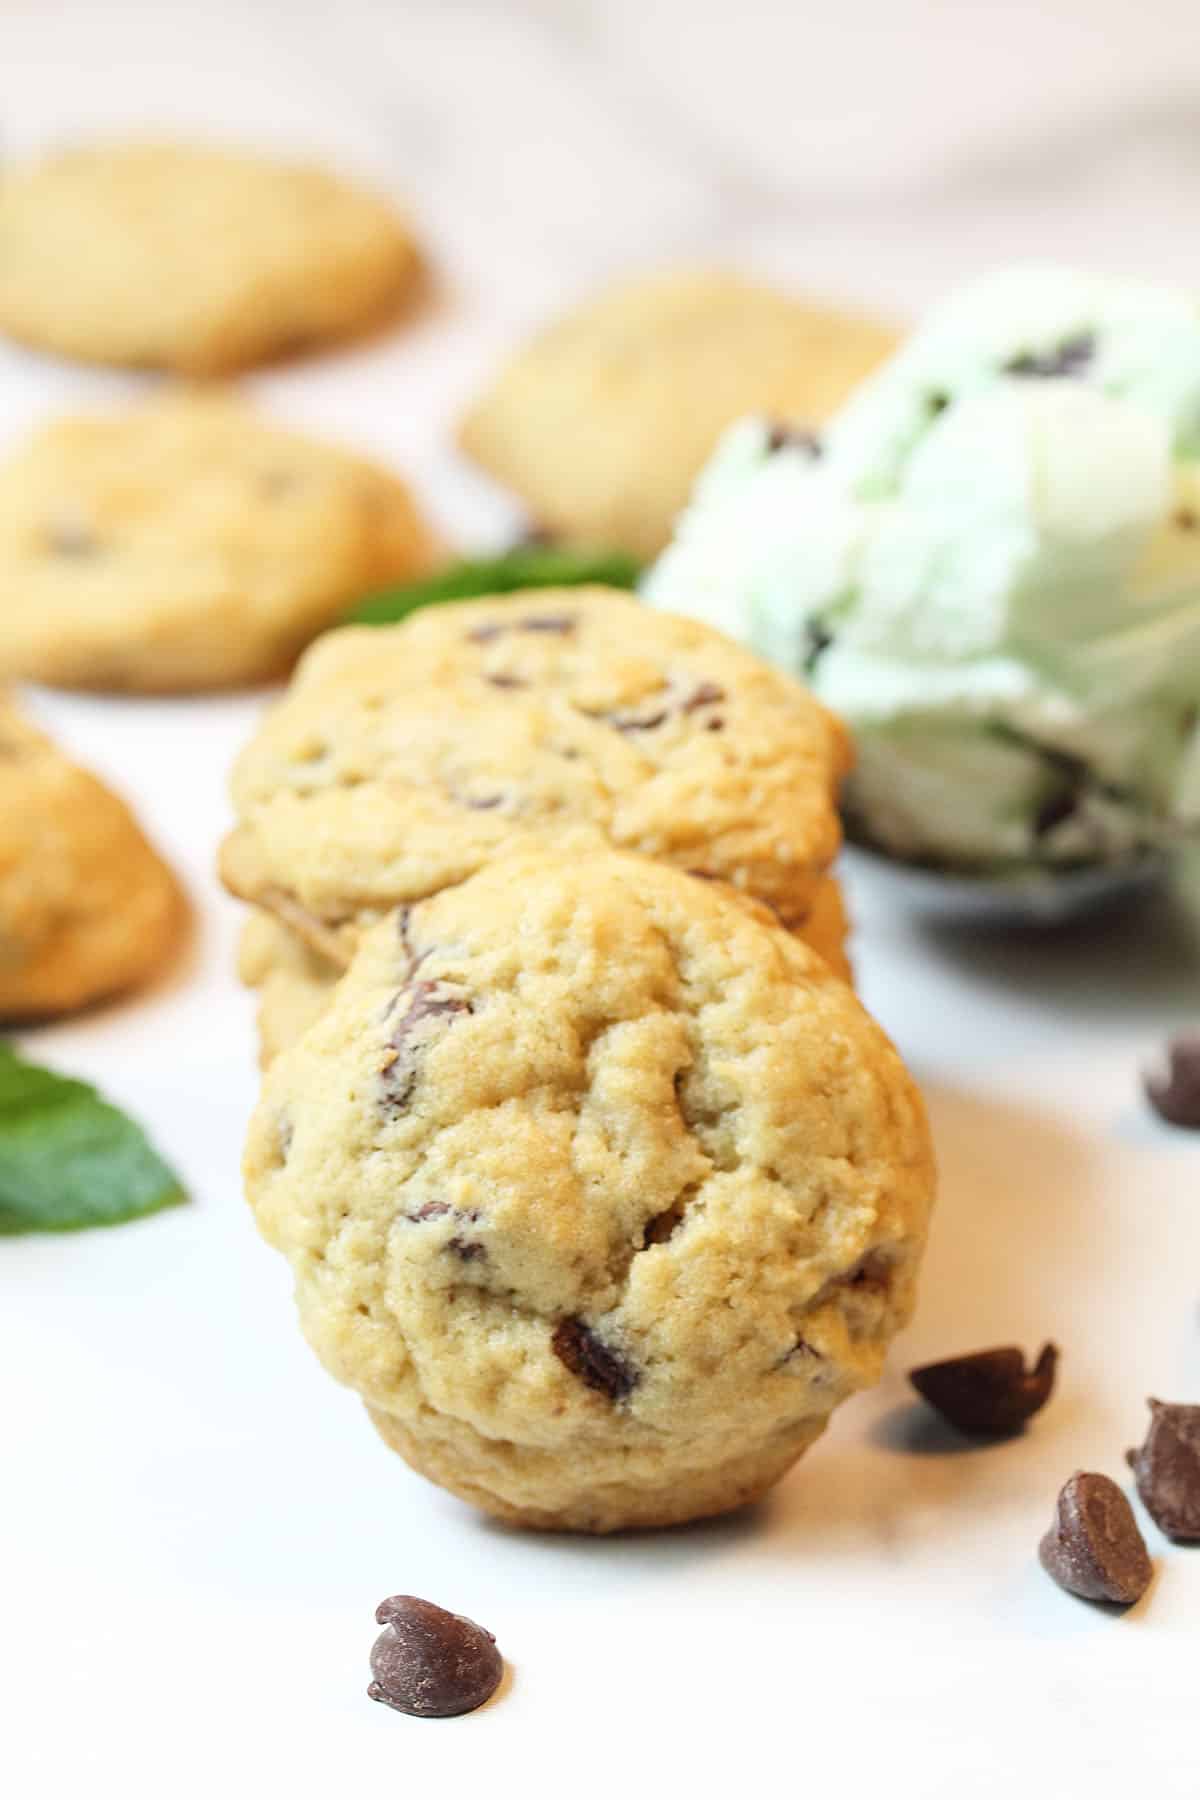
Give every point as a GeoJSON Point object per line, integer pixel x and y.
{"type": "Point", "coordinates": [990, 567]}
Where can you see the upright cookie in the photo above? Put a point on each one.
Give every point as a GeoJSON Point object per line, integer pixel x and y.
{"type": "Point", "coordinates": [294, 982]}
{"type": "Point", "coordinates": [598, 1188]}
{"type": "Point", "coordinates": [179, 257]}
{"type": "Point", "coordinates": [187, 545]}
{"type": "Point", "coordinates": [603, 421]}
{"type": "Point", "coordinates": [87, 907]}
{"type": "Point", "coordinates": [406, 757]}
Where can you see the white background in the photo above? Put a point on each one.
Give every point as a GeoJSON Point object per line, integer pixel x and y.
{"type": "Point", "coordinates": [195, 1524]}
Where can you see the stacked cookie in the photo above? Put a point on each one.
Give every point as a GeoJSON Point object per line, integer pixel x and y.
{"type": "Point", "coordinates": [598, 1184]}
{"type": "Point", "coordinates": [404, 759]}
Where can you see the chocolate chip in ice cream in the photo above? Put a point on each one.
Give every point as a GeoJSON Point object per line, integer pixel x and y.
{"type": "Point", "coordinates": [1094, 1548]}
{"type": "Point", "coordinates": [1167, 1470]}
{"type": "Point", "coordinates": [990, 1393]}
{"type": "Point", "coordinates": [1175, 1095]}
{"type": "Point", "coordinates": [430, 1663]}
{"type": "Point", "coordinates": [1071, 357]}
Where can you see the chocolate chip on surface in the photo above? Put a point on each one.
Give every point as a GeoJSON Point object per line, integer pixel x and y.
{"type": "Point", "coordinates": [1175, 1095]}
{"type": "Point", "coordinates": [1094, 1548]}
{"type": "Point", "coordinates": [505, 681]}
{"type": "Point", "coordinates": [576, 1345]}
{"type": "Point", "coordinates": [430, 1663]}
{"type": "Point", "coordinates": [1167, 1470]}
{"type": "Point", "coordinates": [431, 1006]}
{"type": "Point", "coordinates": [989, 1393]}
{"type": "Point", "coordinates": [1071, 357]}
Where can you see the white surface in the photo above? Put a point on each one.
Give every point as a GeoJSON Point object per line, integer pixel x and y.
{"type": "Point", "coordinates": [195, 1524]}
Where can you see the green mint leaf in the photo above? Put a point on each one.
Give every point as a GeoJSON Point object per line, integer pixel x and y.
{"type": "Point", "coordinates": [528, 566]}
{"type": "Point", "coordinates": [68, 1159]}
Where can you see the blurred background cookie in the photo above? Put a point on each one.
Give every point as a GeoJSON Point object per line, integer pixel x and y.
{"type": "Point", "coordinates": [602, 421]}
{"type": "Point", "coordinates": [187, 545]}
{"type": "Point", "coordinates": [180, 257]}
{"type": "Point", "coordinates": [406, 757]}
{"type": "Point", "coordinates": [87, 906]}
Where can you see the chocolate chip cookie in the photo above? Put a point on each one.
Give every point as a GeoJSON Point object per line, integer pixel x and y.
{"type": "Point", "coordinates": [187, 545]}
{"type": "Point", "coordinates": [292, 981]}
{"type": "Point", "coordinates": [87, 906]}
{"type": "Point", "coordinates": [598, 1187]}
{"type": "Point", "coordinates": [200, 260]}
{"type": "Point", "coordinates": [406, 757]}
{"type": "Point", "coordinates": [603, 421]}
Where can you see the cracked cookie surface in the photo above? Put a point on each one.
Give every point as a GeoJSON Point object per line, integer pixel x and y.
{"type": "Point", "coordinates": [599, 1189]}
{"type": "Point", "coordinates": [87, 906]}
{"type": "Point", "coordinates": [404, 758]}
{"type": "Point", "coordinates": [602, 422]}
{"type": "Point", "coordinates": [186, 545]}
{"type": "Point", "coordinates": [188, 258]}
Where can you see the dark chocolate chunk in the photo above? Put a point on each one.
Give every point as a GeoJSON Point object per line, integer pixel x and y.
{"type": "Point", "coordinates": [707, 693]}
{"type": "Point", "coordinates": [990, 1393]}
{"type": "Point", "coordinates": [432, 1209]}
{"type": "Point", "coordinates": [793, 437]}
{"type": "Point", "coordinates": [1071, 357]}
{"type": "Point", "coordinates": [1175, 1096]}
{"type": "Point", "coordinates": [663, 1225]}
{"type": "Point", "coordinates": [430, 1004]}
{"type": "Point", "coordinates": [576, 1345]}
{"type": "Point", "coordinates": [639, 721]}
{"type": "Point", "coordinates": [430, 1663]}
{"type": "Point", "coordinates": [1094, 1548]}
{"type": "Point", "coordinates": [1167, 1468]}
{"type": "Point", "coordinates": [551, 624]}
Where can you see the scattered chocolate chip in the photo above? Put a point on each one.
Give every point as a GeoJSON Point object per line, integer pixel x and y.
{"type": "Point", "coordinates": [1071, 357]}
{"type": "Point", "coordinates": [1094, 1548]}
{"type": "Point", "coordinates": [707, 693]}
{"type": "Point", "coordinates": [430, 1663]}
{"type": "Point", "coordinates": [715, 725]}
{"type": "Point", "coordinates": [793, 437]}
{"type": "Point", "coordinates": [552, 624]}
{"type": "Point", "coordinates": [1186, 519]}
{"type": "Point", "coordinates": [990, 1393]}
{"type": "Point", "coordinates": [505, 681]}
{"type": "Point", "coordinates": [430, 1003]}
{"type": "Point", "coordinates": [1167, 1469]}
{"type": "Point", "coordinates": [576, 1345]}
{"type": "Point", "coordinates": [1175, 1096]}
